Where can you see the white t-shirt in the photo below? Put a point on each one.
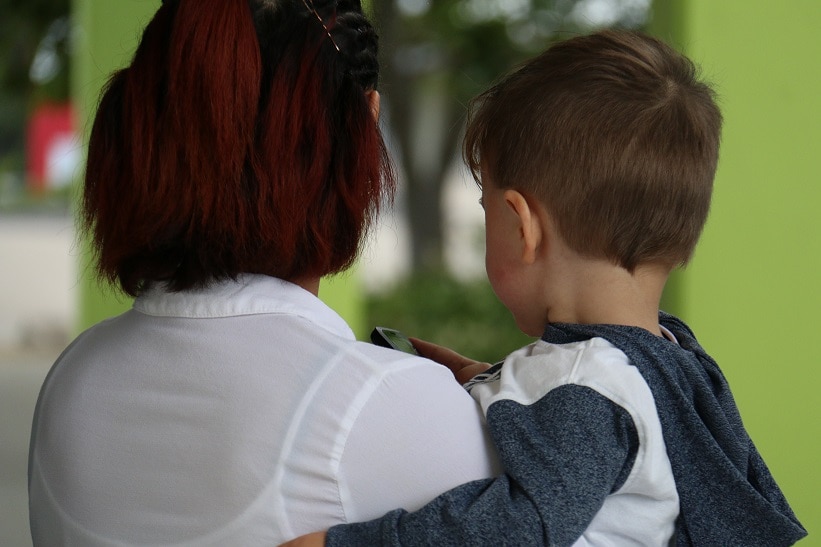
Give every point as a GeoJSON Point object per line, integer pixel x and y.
{"type": "Point", "coordinates": [242, 414]}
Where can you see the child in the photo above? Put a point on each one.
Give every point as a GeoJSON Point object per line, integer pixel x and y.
{"type": "Point", "coordinates": [596, 161]}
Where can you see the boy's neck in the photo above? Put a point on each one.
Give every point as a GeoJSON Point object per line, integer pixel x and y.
{"type": "Point", "coordinates": [596, 291]}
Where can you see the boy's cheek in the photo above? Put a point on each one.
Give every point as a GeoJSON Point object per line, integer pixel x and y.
{"type": "Point", "coordinates": [519, 295]}
{"type": "Point", "coordinates": [508, 289]}
{"type": "Point", "coordinates": [498, 280]}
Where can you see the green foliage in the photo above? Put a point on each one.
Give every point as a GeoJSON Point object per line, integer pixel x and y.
{"type": "Point", "coordinates": [466, 317]}
{"type": "Point", "coordinates": [473, 42]}
{"type": "Point", "coordinates": [23, 27]}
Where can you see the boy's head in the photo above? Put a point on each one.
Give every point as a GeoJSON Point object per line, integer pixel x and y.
{"type": "Point", "coordinates": [614, 135]}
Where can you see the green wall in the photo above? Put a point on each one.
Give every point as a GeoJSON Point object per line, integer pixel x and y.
{"type": "Point", "coordinates": [751, 293]}
{"type": "Point", "coordinates": [109, 33]}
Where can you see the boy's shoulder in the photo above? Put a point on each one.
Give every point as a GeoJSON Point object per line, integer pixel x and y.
{"type": "Point", "coordinates": [713, 460]}
{"type": "Point", "coordinates": [529, 374]}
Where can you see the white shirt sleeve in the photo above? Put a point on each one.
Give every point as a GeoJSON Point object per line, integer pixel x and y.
{"type": "Point", "coordinates": [442, 442]}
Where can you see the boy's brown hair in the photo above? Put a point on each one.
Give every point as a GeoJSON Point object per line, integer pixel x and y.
{"type": "Point", "coordinates": [615, 135]}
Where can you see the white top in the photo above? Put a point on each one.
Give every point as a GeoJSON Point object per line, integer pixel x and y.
{"type": "Point", "coordinates": [242, 414]}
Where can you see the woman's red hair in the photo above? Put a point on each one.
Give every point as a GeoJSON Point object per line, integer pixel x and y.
{"type": "Point", "coordinates": [239, 140]}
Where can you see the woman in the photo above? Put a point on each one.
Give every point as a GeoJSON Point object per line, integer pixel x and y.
{"type": "Point", "coordinates": [235, 162]}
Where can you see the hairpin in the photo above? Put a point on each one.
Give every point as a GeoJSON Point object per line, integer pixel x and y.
{"type": "Point", "coordinates": [311, 8]}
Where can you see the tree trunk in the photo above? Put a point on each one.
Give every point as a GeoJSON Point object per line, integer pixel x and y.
{"type": "Point", "coordinates": [426, 125]}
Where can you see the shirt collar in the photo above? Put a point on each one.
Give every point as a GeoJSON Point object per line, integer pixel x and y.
{"type": "Point", "coordinates": [249, 294]}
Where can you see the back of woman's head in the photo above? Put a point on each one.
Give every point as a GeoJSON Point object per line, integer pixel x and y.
{"type": "Point", "coordinates": [239, 140]}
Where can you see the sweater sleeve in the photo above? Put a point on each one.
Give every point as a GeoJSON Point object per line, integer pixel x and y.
{"type": "Point", "coordinates": [562, 456]}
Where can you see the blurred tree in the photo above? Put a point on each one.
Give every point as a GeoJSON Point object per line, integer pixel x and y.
{"type": "Point", "coordinates": [34, 41]}
{"type": "Point", "coordinates": [436, 55]}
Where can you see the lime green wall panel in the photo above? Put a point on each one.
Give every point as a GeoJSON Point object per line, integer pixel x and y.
{"type": "Point", "coordinates": [108, 33]}
{"type": "Point", "coordinates": [344, 294]}
{"type": "Point", "coordinates": [751, 292]}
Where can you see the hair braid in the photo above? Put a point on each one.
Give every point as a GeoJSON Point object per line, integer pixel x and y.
{"type": "Point", "coordinates": [358, 43]}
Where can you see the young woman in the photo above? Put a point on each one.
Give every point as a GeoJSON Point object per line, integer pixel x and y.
{"type": "Point", "coordinates": [231, 165]}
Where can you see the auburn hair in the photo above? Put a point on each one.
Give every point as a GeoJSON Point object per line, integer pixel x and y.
{"type": "Point", "coordinates": [614, 133]}
{"type": "Point", "coordinates": [239, 140]}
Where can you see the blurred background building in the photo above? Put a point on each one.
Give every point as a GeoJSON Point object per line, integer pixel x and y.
{"type": "Point", "coordinates": [750, 293]}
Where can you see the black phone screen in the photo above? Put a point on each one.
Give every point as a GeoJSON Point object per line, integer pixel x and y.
{"type": "Point", "coordinates": [392, 338]}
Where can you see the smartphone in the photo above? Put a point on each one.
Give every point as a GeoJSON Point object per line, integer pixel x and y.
{"type": "Point", "coordinates": [392, 338]}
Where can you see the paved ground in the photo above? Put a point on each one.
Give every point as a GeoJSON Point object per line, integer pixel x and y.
{"type": "Point", "coordinates": [38, 278]}
{"type": "Point", "coordinates": [20, 377]}
{"type": "Point", "coordinates": [37, 290]}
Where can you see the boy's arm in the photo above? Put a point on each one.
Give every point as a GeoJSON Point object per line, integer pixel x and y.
{"type": "Point", "coordinates": [563, 455]}
{"type": "Point", "coordinates": [401, 528]}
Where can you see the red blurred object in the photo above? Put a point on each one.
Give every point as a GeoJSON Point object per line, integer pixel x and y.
{"type": "Point", "coordinates": [51, 147]}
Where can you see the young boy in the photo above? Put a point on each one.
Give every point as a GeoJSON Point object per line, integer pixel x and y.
{"type": "Point", "coordinates": [596, 161]}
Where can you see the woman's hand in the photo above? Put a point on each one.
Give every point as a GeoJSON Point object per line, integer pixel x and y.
{"type": "Point", "coordinates": [316, 539]}
{"type": "Point", "coordinates": [463, 368]}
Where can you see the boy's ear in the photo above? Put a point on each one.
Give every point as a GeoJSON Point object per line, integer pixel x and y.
{"type": "Point", "coordinates": [530, 227]}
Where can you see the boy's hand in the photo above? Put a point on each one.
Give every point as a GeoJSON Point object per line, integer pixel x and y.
{"type": "Point", "coordinates": [316, 539]}
{"type": "Point", "coordinates": [462, 367]}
